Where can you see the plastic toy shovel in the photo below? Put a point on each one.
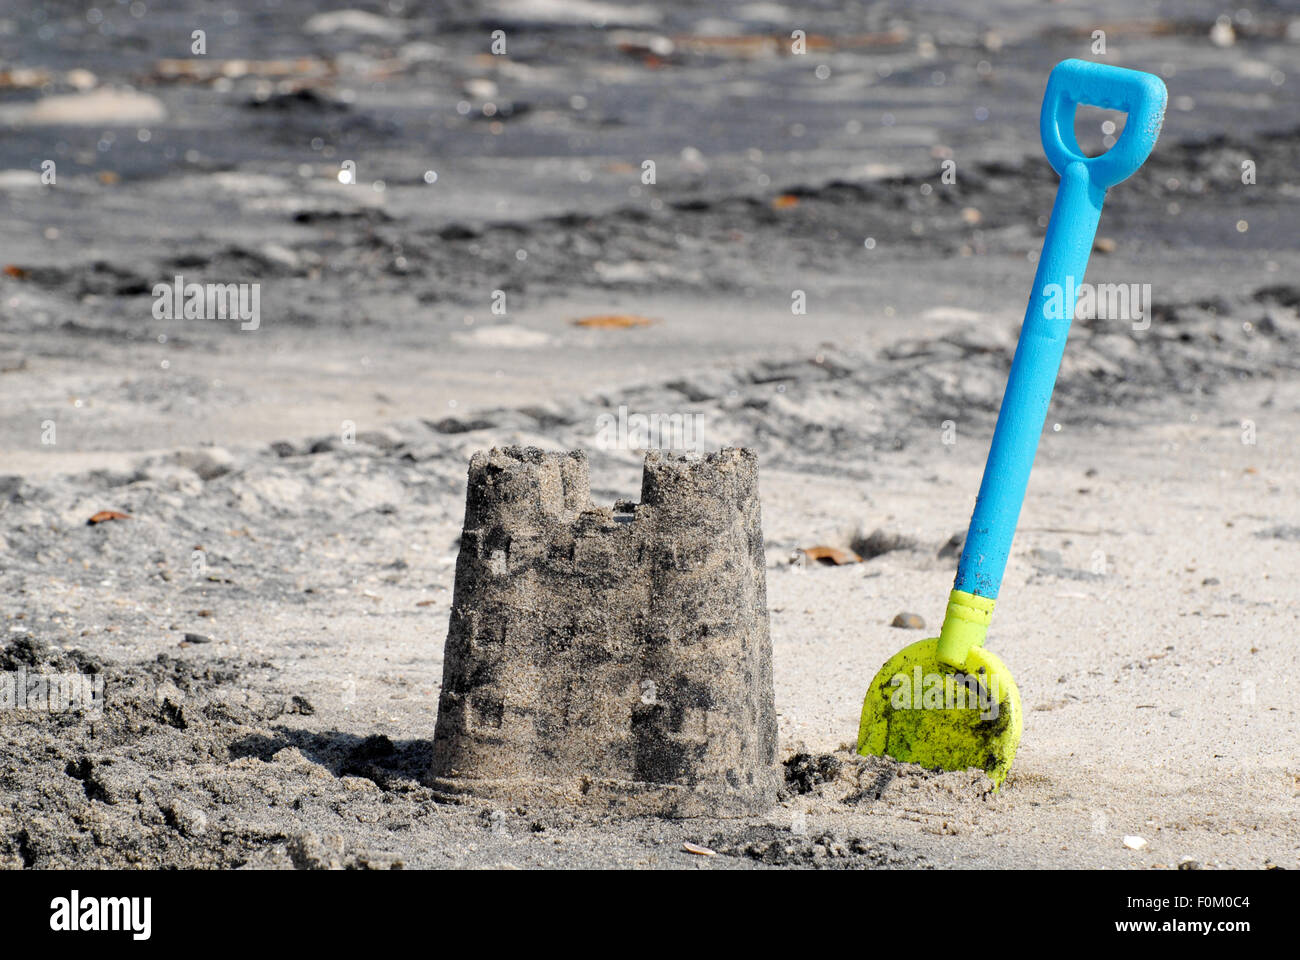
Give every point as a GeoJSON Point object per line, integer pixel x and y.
{"type": "Point", "coordinates": [946, 702]}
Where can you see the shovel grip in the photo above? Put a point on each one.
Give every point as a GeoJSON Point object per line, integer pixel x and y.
{"type": "Point", "coordinates": [1141, 95]}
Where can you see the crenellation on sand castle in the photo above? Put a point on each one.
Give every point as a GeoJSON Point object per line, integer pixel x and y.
{"type": "Point", "coordinates": [615, 657]}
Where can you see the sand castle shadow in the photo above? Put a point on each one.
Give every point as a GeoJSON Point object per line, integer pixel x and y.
{"type": "Point", "coordinates": [376, 757]}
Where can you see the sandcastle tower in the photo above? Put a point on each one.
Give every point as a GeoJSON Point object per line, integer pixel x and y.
{"type": "Point", "coordinates": [615, 658]}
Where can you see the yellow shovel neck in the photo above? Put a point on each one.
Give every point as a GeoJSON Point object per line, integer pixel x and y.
{"type": "Point", "coordinates": [965, 625]}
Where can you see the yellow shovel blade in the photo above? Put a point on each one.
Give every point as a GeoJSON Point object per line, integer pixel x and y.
{"type": "Point", "coordinates": [921, 710]}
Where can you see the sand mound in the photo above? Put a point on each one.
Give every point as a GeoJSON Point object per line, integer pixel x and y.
{"type": "Point", "coordinates": [182, 768]}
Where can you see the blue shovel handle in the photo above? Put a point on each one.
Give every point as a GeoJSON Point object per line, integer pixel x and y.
{"type": "Point", "coordinates": [1070, 233]}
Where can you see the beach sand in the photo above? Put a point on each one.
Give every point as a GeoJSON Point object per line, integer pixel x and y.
{"type": "Point", "coordinates": [270, 616]}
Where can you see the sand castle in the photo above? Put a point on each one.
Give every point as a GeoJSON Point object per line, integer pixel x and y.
{"type": "Point", "coordinates": [618, 658]}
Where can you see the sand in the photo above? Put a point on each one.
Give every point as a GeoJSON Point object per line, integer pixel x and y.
{"type": "Point", "coordinates": [270, 617]}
